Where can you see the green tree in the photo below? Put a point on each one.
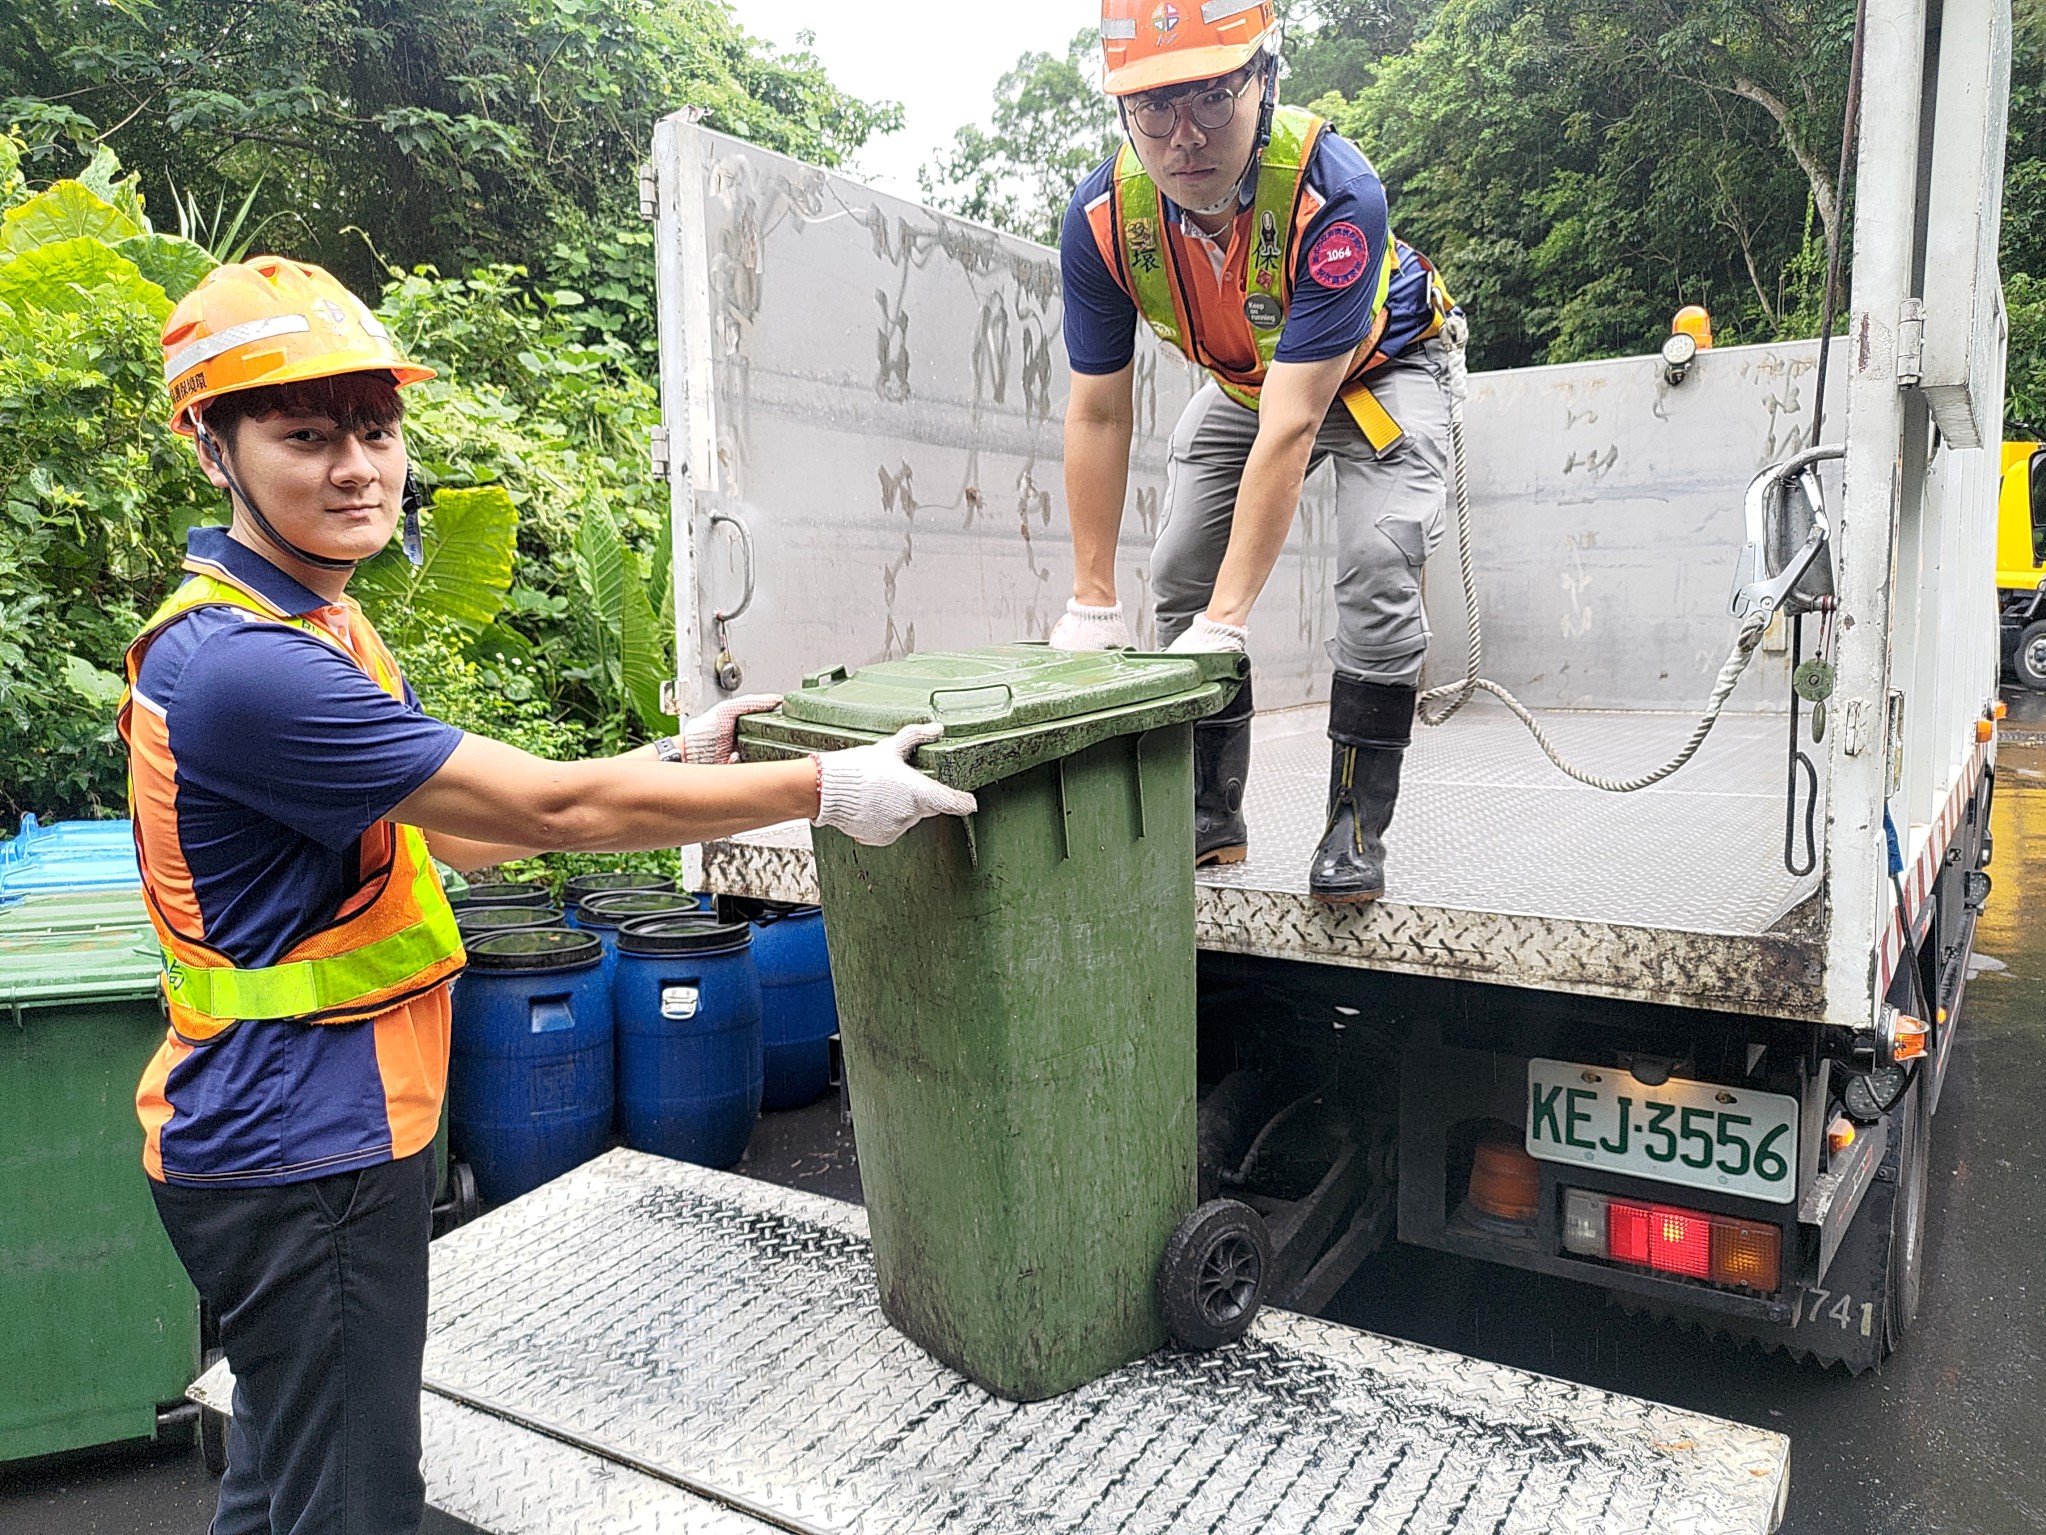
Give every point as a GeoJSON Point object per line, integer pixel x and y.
{"type": "Point", "coordinates": [2024, 218]}
{"type": "Point", "coordinates": [1581, 169]}
{"type": "Point", "coordinates": [1051, 126]}
{"type": "Point", "coordinates": [453, 132]}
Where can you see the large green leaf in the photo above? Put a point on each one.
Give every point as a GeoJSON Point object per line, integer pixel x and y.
{"type": "Point", "coordinates": [104, 180]}
{"type": "Point", "coordinates": [623, 646]}
{"type": "Point", "coordinates": [470, 538]}
{"type": "Point", "coordinates": [65, 211]}
{"type": "Point", "coordinates": [642, 655]}
{"type": "Point", "coordinates": [600, 575]}
{"type": "Point", "coordinates": [68, 276]}
{"type": "Point", "coordinates": [172, 263]}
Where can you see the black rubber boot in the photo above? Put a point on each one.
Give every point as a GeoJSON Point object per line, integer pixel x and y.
{"type": "Point", "coordinates": [1221, 753]}
{"type": "Point", "coordinates": [1370, 724]}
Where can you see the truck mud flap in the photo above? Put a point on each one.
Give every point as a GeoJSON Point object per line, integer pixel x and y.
{"type": "Point", "coordinates": [1843, 1318]}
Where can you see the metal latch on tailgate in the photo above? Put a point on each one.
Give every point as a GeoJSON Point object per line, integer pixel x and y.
{"type": "Point", "coordinates": [1787, 566]}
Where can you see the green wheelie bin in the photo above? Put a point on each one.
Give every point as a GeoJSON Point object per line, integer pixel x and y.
{"type": "Point", "coordinates": [1016, 997]}
{"type": "Point", "coordinates": [103, 1326]}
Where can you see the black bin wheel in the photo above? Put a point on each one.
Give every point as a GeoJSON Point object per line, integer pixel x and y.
{"type": "Point", "coordinates": [213, 1440]}
{"type": "Point", "coordinates": [462, 1183]}
{"type": "Point", "coordinates": [212, 1425]}
{"type": "Point", "coordinates": [1212, 1277]}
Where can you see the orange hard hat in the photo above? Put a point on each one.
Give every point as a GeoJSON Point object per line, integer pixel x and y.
{"type": "Point", "coordinates": [1146, 44]}
{"type": "Point", "coordinates": [269, 320]}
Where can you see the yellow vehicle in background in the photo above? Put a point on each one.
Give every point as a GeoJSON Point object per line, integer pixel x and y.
{"type": "Point", "coordinates": [2021, 561]}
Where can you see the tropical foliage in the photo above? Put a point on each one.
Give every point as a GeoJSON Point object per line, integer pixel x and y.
{"type": "Point", "coordinates": [454, 132]}
{"type": "Point", "coordinates": [470, 161]}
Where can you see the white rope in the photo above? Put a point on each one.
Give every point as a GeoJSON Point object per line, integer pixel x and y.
{"type": "Point", "coordinates": [1456, 333]}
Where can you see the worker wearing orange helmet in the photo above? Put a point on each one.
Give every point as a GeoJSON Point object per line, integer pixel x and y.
{"type": "Point", "coordinates": [1256, 241]}
{"type": "Point", "coordinates": [289, 798]}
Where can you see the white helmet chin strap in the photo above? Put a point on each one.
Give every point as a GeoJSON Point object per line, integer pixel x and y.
{"type": "Point", "coordinates": [1235, 197]}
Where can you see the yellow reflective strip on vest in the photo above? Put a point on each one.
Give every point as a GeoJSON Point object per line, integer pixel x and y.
{"type": "Point", "coordinates": [200, 590]}
{"type": "Point", "coordinates": [301, 988]}
{"type": "Point", "coordinates": [1140, 228]}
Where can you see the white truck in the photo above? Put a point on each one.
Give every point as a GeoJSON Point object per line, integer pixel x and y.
{"type": "Point", "coordinates": [1690, 1038]}
{"type": "Point", "coordinates": [1681, 1044]}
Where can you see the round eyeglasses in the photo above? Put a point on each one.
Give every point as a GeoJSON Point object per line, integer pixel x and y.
{"type": "Point", "coordinates": [1211, 107]}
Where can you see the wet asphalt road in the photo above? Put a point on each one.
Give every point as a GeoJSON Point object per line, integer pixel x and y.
{"type": "Point", "coordinates": [1950, 1436]}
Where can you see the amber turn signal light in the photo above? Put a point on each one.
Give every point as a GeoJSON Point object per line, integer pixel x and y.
{"type": "Point", "coordinates": [1506, 1182]}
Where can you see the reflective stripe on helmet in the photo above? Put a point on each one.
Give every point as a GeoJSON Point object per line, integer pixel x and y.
{"type": "Point", "coordinates": [234, 336]}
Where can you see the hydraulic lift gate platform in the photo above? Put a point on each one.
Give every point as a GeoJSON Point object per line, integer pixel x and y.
{"type": "Point", "coordinates": [647, 1346]}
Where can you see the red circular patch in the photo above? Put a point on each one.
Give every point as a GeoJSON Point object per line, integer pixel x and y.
{"type": "Point", "coordinates": [1339, 257]}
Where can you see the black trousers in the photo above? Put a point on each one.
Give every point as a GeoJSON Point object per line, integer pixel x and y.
{"type": "Point", "coordinates": [320, 1291]}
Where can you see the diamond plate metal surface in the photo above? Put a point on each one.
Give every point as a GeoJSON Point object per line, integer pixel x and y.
{"type": "Point", "coordinates": [726, 1333]}
{"type": "Point", "coordinates": [1501, 869]}
{"type": "Point", "coordinates": [510, 1480]}
{"type": "Point", "coordinates": [1486, 823]}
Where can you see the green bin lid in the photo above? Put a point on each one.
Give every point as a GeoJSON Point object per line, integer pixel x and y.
{"type": "Point", "coordinates": [1004, 707]}
{"type": "Point", "coordinates": [74, 909]}
{"type": "Point", "coordinates": [57, 965]}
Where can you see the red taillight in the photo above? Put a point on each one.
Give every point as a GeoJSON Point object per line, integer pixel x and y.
{"type": "Point", "coordinates": [1680, 1242]}
{"type": "Point", "coordinates": [1693, 1244]}
{"type": "Point", "coordinates": [1627, 1232]}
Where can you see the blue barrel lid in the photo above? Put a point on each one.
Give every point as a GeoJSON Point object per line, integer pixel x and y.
{"type": "Point", "coordinates": [475, 921]}
{"type": "Point", "coordinates": [617, 907]}
{"type": "Point", "coordinates": [683, 933]}
{"type": "Point", "coordinates": [609, 881]}
{"type": "Point", "coordinates": [503, 893]}
{"type": "Point", "coordinates": [535, 949]}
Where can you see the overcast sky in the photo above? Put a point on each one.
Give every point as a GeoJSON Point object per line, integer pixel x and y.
{"type": "Point", "coordinates": [939, 58]}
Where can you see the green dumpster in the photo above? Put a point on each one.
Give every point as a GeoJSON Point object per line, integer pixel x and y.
{"type": "Point", "coordinates": [102, 1324]}
{"type": "Point", "coordinates": [1016, 997]}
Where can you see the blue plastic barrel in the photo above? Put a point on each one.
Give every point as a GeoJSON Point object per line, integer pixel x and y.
{"type": "Point", "coordinates": [799, 1011]}
{"type": "Point", "coordinates": [479, 921]}
{"type": "Point", "coordinates": [688, 1008]}
{"type": "Point", "coordinates": [531, 1073]}
{"type": "Point", "coordinates": [502, 893]}
{"type": "Point", "coordinates": [602, 915]}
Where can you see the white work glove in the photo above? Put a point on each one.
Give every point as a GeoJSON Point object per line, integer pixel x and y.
{"type": "Point", "coordinates": [712, 740]}
{"type": "Point", "coordinates": [1207, 635]}
{"type": "Point", "coordinates": [1085, 628]}
{"type": "Point", "coordinates": [873, 795]}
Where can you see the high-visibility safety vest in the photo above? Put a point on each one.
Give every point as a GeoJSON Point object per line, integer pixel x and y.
{"type": "Point", "coordinates": [392, 938]}
{"type": "Point", "coordinates": [1148, 269]}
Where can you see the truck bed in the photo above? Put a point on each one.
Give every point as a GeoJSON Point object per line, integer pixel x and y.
{"type": "Point", "coordinates": [1501, 868]}
{"type": "Point", "coordinates": [646, 1346]}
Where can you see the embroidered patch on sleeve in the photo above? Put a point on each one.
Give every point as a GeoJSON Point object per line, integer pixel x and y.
{"type": "Point", "coordinates": [1339, 257]}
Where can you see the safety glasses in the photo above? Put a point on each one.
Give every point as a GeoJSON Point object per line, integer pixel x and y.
{"type": "Point", "coordinates": [1156, 115]}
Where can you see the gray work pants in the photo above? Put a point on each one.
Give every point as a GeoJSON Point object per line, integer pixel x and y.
{"type": "Point", "coordinates": [1389, 514]}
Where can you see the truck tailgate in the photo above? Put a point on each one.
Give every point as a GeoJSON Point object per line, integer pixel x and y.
{"type": "Point", "coordinates": [646, 1345]}
{"type": "Point", "coordinates": [1500, 868]}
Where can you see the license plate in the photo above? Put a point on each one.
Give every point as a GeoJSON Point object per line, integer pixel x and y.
{"type": "Point", "coordinates": [1699, 1134]}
